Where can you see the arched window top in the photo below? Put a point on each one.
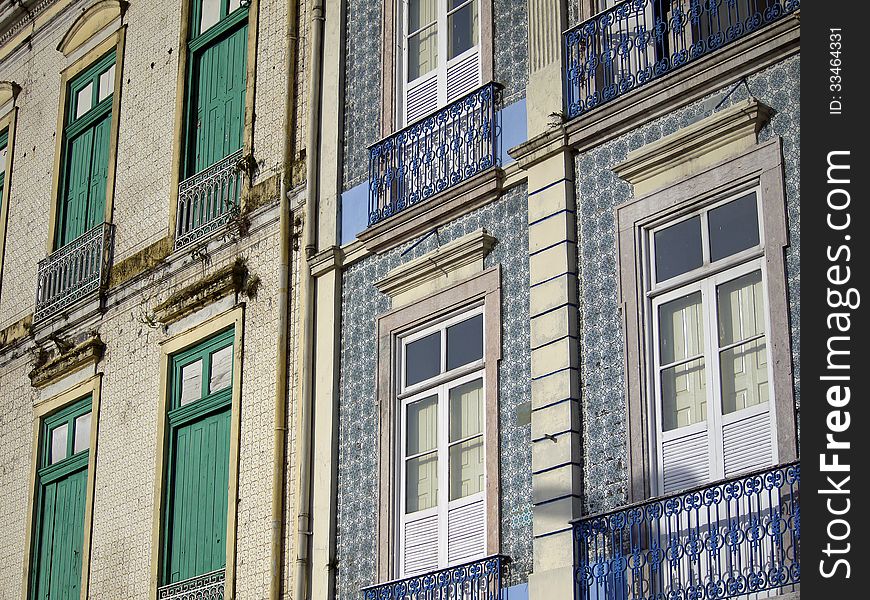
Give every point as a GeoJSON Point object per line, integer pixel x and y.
{"type": "Point", "coordinates": [8, 91]}
{"type": "Point", "coordinates": [93, 20]}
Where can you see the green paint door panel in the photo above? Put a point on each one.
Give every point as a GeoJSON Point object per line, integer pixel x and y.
{"type": "Point", "coordinates": [59, 553]}
{"type": "Point", "coordinates": [198, 501]}
{"type": "Point", "coordinates": [218, 77]}
{"type": "Point", "coordinates": [84, 199]}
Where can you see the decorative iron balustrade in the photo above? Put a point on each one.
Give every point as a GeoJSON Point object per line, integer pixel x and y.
{"type": "Point", "coordinates": [478, 580]}
{"type": "Point", "coordinates": [73, 272]}
{"type": "Point", "coordinates": [203, 587]}
{"type": "Point", "coordinates": [435, 153]}
{"type": "Point", "coordinates": [725, 540]}
{"type": "Point", "coordinates": [638, 41]}
{"type": "Point", "coordinates": [208, 200]}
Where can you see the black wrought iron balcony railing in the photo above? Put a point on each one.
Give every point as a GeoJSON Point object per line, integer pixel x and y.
{"type": "Point", "coordinates": [638, 41]}
{"type": "Point", "coordinates": [478, 580]}
{"type": "Point", "coordinates": [433, 154]}
{"type": "Point", "coordinates": [730, 539]}
{"type": "Point", "coordinates": [202, 587]}
{"type": "Point", "coordinates": [208, 200]}
{"type": "Point", "coordinates": [73, 272]}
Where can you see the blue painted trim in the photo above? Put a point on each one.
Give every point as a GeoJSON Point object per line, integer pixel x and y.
{"type": "Point", "coordinates": [548, 279]}
{"type": "Point", "coordinates": [553, 435]}
{"type": "Point", "coordinates": [551, 215]}
{"type": "Point", "coordinates": [549, 185]}
{"type": "Point", "coordinates": [555, 308]}
{"type": "Point", "coordinates": [539, 377]}
{"type": "Point", "coordinates": [551, 500]}
{"type": "Point", "coordinates": [550, 247]}
{"type": "Point", "coordinates": [557, 402]}
{"type": "Point", "coordinates": [558, 339]}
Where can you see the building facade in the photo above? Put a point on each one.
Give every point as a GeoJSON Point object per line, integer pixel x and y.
{"type": "Point", "coordinates": [148, 348]}
{"type": "Point", "coordinates": [458, 299]}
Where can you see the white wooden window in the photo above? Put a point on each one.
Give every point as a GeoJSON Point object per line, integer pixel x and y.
{"type": "Point", "coordinates": [440, 42]}
{"type": "Point", "coordinates": [710, 324]}
{"type": "Point", "coordinates": [441, 470]}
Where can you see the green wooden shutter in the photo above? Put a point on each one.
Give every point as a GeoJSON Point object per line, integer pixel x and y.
{"type": "Point", "coordinates": [218, 81]}
{"type": "Point", "coordinates": [199, 497]}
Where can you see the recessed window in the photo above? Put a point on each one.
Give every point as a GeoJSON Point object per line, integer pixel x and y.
{"type": "Point", "coordinates": [733, 227]}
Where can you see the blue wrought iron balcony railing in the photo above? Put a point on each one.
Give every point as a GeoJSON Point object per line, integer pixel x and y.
{"type": "Point", "coordinates": [202, 587]}
{"type": "Point", "coordinates": [638, 41]}
{"type": "Point", "coordinates": [730, 539]}
{"type": "Point", "coordinates": [478, 580]}
{"type": "Point", "coordinates": [73, 272]}
{"type": "Point", "coordinates": [433, 154]}
{"type": "Point", "coordinates": [208, 200]}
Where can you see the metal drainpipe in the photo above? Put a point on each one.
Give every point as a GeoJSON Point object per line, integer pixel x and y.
{"type": "Point", "coordinates": [279, 462]}
{"type": "Point", "coordinates": [305, 422]}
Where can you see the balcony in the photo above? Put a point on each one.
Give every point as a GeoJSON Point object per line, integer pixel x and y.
{"type": "Point", "coordinates": [639, 41]}
{"type": "Point", "coordinates": [74, 272]}
{"type": "Point", "coordinates": [208, 200]}
{"type": "Point", "coordinates": [434, 154]}
{"type": "Point", "coordinates": [478, 580]}
{"type": "Point", "coordinates": [203, 587]}
{"type": "Point", "coordinates": [730, 539]}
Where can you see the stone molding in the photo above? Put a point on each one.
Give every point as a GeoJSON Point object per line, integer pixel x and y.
{"type": "Point", "coordinates": [227, 280]}
{"type": "Point", "coordinates": [93, 20]}
{"type": "Point", "coordinates": [88, 352]}
{"type": "Point", "coordinates": [691, 149]}
{"type": "Point", "coordinates": [436, 269]}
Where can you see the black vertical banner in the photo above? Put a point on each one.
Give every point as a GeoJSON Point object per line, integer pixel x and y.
{"type": "Point", "coordinates": [835, 364]}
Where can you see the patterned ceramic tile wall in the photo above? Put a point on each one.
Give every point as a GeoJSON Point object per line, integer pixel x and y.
{"type": "Point", "coordinates": [358, 412]}
{"type": "Point", "coordinates": [362, 120]}
{"type": "Point", "coordinates": [598, 192]}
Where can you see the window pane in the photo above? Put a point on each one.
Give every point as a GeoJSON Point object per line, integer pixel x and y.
{"type": "Point", "coordinates": [82, 439]}
{"type": "Point", "coordinates": [233, 5]}
{"type": "Point", "coordinates": [744, 376]}
{"type": "Point", "coordinates": [465, 342]}
{"type": "Point", "coordinates": [221, 369]}
{"type": "Point", "coordinates": [741, 309]}
{"type": "Point", "coordinates": [421, 13]}
{"type": "Point", "coordinates": [211, 14]}
{"type": "Point", "coordinates": [58, 444]}
{"type": "Point", "coordinates": [191, 383]}
{"type": "Point", "coordinates": [684, 396]}
{"type": "Point", "coordinates": [466, 410]}
{"type": "Point", "coordinates": [462, 27]}
{"type": "Point", "coordinates": [107, 83]}
{"type": "Point", "coordinates": [422, 52]}
{"type": "Point", "coordinates": [421, 483]}
{"type": "Point", "coordinates": [84, 99]}
{"type": "Point", "coordinates": [678, 249]}
{"type": "Point", "coordinates": [423, 359]}
{"type": "Point", "coordinates": [681, 330]}
{"type": "Point", "coordinates": [422, 431]}
{"type": "Point", "coordinates": [733, 227]}
{"type": "Point", "coordinates": [466, 468]}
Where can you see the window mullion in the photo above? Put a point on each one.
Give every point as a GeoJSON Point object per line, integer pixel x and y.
{"type": "Point", "coordinates": [443, 473]}
{"type": "Point", "coordinates": [442, 52]}
{"type": "Point", "coordinates": [714, 395]}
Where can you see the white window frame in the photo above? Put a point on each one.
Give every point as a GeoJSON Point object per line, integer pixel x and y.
{"type": "Point", "coordinates": [704, 279]}
{"type": "Point", "coordinates": [440, 72]}
{"type": "Point", "coordinates": [440, 386]}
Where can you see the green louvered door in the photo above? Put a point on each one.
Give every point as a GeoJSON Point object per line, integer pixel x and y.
{"type": "Point", "coordinates": [58, 537]}
{"type": "Point", "coordinates": [218, 107]}
{"type": "Point", "coordinates": [61, 537]}
{"type": "Point", "coordinates": [86, 152]}
{"type": "Point", "coordinates": [199, 497]}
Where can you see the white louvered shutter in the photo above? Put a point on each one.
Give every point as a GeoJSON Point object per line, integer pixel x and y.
{"type": "Point", "coordinates": [420, 547]}
{"type": "Point", "coordinates": [466, 531]}
{"type": "Point", "coordinates": [685, 461]}
{"type": "Point", "coordinates": [463, 74]}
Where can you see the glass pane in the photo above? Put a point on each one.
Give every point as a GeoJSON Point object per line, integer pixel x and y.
{"type": "Point", "coordinates": [84, 99]}
{"type": "Point", "coordinates": [462, 27]}
{"type": "Point", "coordinates": [422, 431]}
{"type": "Point", "coordinates": [421, 483]}
{"type": "Point", "coordinates": [465, 342]}
{"type": "Point", "coordinates": [423, 359]}
{"type": "Point", "coordinates": [422, 52]}
{"type": "Point", "coordinates": [107, 83]}
{"type": "Point", "coordinates": [466, 410]}
{"type": "Point", "coordinates": [744, 376]}
{"type": "Point", "coordinates": [211, 14]}
{"type": "Point", "coordinates": [233, 5]}
{"type": "Point", "coordinates": [466, 468]}
{"type": "Point", "coordinates": [684, 395]}
{"type": "Point", "coordinates": [82, 440]}
{"type": "Point", "coordinates": [221, 369]}
{"type": "Point", "coordinates": [681, 329]}
{"type": "Point", "coordinates": [57, 451]}
{"type": "Point", "coordinates": [678, 249]}
{"type": "Point", "coordinates": [733, 227]}
{"type": "Point", "coordinates": [741, 309]}
{"type": "Point", "coordinates": [421, 13]}
{"type": "Point", "coordinates": [191, 383]}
